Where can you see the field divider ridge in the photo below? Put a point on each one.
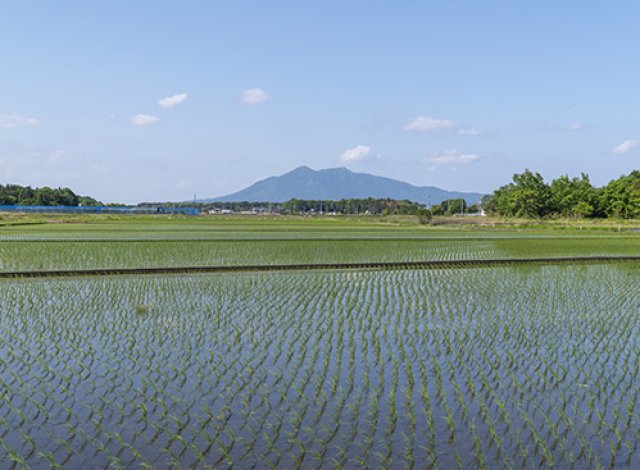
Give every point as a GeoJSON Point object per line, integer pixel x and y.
{"type": "Point", "coordinates": [368, 265]}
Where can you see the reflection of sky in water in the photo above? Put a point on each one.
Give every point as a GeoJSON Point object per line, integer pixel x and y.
{"type": "Point", "coordinates": [353, 362]}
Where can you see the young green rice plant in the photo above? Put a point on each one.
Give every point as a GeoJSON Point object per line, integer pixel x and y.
{"type": "Point", "coordinates": [468, 376]}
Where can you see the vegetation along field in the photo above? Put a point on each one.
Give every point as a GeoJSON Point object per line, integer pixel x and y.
{"type": "Point", "coordinates": [526, 366]}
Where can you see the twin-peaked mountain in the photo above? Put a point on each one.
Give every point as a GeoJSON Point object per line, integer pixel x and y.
{"type": "Point", "coordinates": [339, 183]}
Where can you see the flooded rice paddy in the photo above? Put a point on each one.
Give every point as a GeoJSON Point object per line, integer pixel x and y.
{"type": "Point", "coordinates": [514, 367]}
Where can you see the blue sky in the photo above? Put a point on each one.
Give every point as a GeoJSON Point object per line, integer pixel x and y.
{"type": "Point", "coordinates": [456, 94]}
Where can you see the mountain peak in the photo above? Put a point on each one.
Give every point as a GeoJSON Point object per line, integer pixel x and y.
{"type": "Point", "coordinates": [340, 169]}
{"type": "Point", "coordinates": [301, 169]}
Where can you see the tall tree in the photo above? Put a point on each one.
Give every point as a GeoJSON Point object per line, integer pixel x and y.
{"type": "Point", "coordinates": [621, 197]}
{"type": "Point", "coordinates": [527, 196]}
{"type": "Point", "coordinates": [573, 197]}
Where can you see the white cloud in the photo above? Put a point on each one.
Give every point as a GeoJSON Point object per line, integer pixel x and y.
{"type": "Point", "coordinates": [9, 121]}
{"type": "Point", "coordinates": [254, 96]}
{"type": "Point", "coordinates": [469, 131]}
{"type": "Point", "coordinates": [452, 156]}
{"type": "Point", "coordinates": [429, 124]}
{"type": "Point", "coordinates": [359, 153]}
{"type": "Point", "coordinates": [144, 120]}
{"type": "Point", "coordinates": [172, 101]}
{"type": "Point", "coordinates": [574, 126]}
{"type": "Point", "coordinates": [625, 146]}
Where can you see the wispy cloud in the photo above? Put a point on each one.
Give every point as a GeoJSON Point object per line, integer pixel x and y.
{"type": "Point", "coordinates": [144, 120]}
{"type": "Point", "coordinates": [9, 121]}
{"type": "Point", "coordinates": [172, 101]}
{"type": "Point", "coordinates": [359, 153]}
{"type": "Point", "coordinates": [429, 124]}
{"type": "Point", "coordinates": [451, 157]}
{"type": "Point", "coordinates": [574, 126]}
{"type": "Point", "coordinates": [424, 124]}
{"type": "Point", "coordinates": [625, 147]}
{"type": "Point", "coordinates": [254, 96]}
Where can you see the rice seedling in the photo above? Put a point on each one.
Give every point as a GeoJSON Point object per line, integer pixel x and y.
{"type": "Point", "coordinates": [485, 367]}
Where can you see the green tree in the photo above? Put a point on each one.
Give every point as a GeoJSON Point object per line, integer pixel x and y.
{"type": "Point", "coordinates": [573, 197]}
{"type": "Point", "coordinates": [453, 206]}
{"type": "Point", "coordinates": [437, 209]}
{"type": "Point", "coordinates": [527, 196]}
{"type": "Point", "coordinates": [621, 197]}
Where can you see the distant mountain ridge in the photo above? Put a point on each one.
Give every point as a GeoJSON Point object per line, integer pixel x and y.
{"type": "Point", "coordinates": [339, 183]}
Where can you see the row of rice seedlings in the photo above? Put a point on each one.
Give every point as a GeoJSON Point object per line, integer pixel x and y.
{"type": "Point", "coordinates": [51, 255]}
{"type": "Point", "coordinates": [456, 368]}
{"type": "Point", "coordinates": [216, 228]}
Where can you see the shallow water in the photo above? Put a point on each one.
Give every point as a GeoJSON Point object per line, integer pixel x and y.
{"type": "Point", "coordinates": [510, 366]}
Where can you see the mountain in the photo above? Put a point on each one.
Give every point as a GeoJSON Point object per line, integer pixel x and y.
{"type": "Point", "coordinates": [339, 183]}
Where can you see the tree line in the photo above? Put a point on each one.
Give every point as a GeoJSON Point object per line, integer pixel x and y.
{"type": "Point", "coordinates": [13, 194]}
{"type": "Point", "coordinates": [354, 206]}
{"type": "Point", "coordinates": [529, 196]}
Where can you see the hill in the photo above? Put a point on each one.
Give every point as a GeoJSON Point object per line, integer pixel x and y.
{"type": "Point", "coordinates": [339, 183]}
